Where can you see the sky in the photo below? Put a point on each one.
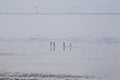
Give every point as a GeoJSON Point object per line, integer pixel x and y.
{"type": "Point", "coordinates": [59, 25]}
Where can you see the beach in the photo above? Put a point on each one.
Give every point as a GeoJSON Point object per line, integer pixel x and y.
{"type": "Point", "coordinates": [35, 60]}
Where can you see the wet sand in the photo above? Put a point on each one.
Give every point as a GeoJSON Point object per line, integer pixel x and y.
{"type": "Point", "coordinates": [85, 61]}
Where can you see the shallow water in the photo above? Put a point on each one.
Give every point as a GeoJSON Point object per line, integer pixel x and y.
{"type": "Point", "coordinates": [99, 60]}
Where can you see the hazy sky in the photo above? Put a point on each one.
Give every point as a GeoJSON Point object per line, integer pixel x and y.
{"type": "Point", "coordinates": [59, 25]}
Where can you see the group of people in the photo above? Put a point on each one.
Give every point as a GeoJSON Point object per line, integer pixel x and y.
{"type": "Point", "coordinates": [53, 45]}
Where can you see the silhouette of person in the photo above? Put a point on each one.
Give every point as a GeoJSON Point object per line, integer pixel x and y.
{"type": "Point", "coordinates": [50, 43]}
{"type": "Point", "coordinates": [54, 46]}
{"type": "Point", "coordinates": [70, 46]}
{"type": "Point", "coordinates": [50, 46]}
{"type": "Point", "coordinates": [63, 46]}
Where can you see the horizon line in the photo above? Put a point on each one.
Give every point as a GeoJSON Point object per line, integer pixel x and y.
{"type": "Point", "coordinates": [28, 13]}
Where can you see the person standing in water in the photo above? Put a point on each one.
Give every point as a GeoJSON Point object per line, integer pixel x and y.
{"type": "Point", "coordinates": [63, 46]}
{"type": "Point", "coordinates": [54, 46]}
{"type": "Point", "coordinates": [70, 46]}
{"type": "Point", "coordinates": [50, 46]}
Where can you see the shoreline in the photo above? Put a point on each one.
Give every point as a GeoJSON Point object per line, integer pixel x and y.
{"type": "Point", "coordinates": [39, 76]}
